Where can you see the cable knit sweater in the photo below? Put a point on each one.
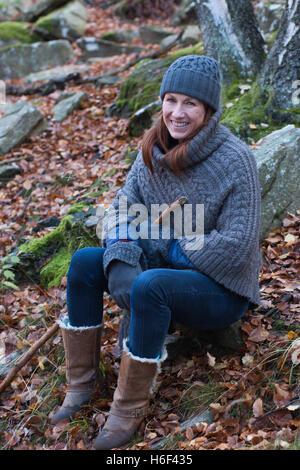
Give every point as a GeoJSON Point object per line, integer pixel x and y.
{"type": "Point", "coordinates": [219, 172]}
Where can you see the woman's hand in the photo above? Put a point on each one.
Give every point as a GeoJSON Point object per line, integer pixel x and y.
{"type": "Point", "coordinates": [121, 277]}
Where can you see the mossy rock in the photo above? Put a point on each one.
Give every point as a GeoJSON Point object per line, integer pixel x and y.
{"type": "Point", "coordinates": [67, 22]}
{"type": "Point", "coordinates": [46, 260]}
{"type": "Point", "coordinates": [17, 32]}
{"type": "Point", "coordinates": [127, 35]}
{"type": "Point", "coordinates": [252, 115]}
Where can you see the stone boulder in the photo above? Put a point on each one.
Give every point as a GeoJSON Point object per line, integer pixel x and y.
{"type": "Point", "coordinates": [41, 8]}
{"type": "Point", "coordinates": [66, 104]}
{"type": "Point", "coordinates": [121, 36]}
{"type": "Point", "coordinates": [20, 120]}
{"type": "Point", "coordinates": [153, 34]}
{"type": "Point", "coordinates": [185, 13]}
{"type": "Point", "coordinates": [11, 9]}
{"type": "Point", "coordinates": [23, 59]}
{"type": "Point", "coordinates": [8, 171]}
{"type": "Point", "coordinates": [278, 162]}
{"type": "Point", "coordinates": [60, 72]}
{"type": "Point", "coordinates": [93, 47]}
{"type": "Point", "coordinates": [68, 22]}
{"type": "Point", "coordinates": [191, 35]}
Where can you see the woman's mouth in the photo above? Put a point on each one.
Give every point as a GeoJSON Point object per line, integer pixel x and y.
{"type": "Point", "coordinates": [179, 124]}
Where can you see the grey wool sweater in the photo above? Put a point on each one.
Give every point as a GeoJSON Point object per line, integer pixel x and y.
{"type": "Point", "coordinates": [220, 172]}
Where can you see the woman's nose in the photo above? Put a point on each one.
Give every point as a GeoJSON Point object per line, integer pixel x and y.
{"type": "Point", "coordinates": [178, 110]}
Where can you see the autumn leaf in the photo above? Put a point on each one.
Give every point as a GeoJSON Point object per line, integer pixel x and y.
{"type": "Point", "coordinates": [257, 408]}
{"type": "Point", "coordinates": [189, 433]}
{"type": "Point", "coordinates": [280, 396]}
{"type": "Point", "coordinates": [258, 335]}
{"type": "Point", "coordinates": [211, 360]}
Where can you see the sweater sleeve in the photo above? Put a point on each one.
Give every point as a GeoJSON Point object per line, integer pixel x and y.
{"type": "Point", "coordinates": [232, 244]}
{"type": "Point", "coordinates": [116, 221]}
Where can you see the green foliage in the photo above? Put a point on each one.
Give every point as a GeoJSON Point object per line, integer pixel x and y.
{"type": "Point", "coordinates": [7, 274]}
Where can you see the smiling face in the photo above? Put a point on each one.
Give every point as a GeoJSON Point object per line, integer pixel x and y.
{"type": "Point", "coordinates": [182, 115]}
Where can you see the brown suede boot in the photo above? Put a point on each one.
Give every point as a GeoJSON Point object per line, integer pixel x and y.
{"type": "Point", "coordinates": [82, 350]}
{"type": "Point", "coordinates": [136, 382]}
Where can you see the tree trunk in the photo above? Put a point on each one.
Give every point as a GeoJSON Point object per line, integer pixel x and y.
{"type": "Point", "coordinates": [281, 70]}
{"type": "Point", "coordinates": [230, 35]}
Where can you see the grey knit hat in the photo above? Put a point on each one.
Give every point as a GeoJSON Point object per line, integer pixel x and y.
{"type": "Point", "coordinates": [196, 76]}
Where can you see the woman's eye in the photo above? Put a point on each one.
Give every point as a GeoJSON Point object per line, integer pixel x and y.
{"type": "Point", "coordinates": [191, 103]}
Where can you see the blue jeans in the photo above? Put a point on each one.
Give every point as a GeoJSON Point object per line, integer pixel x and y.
{"type": "Point", "coordinates": [193, 299]}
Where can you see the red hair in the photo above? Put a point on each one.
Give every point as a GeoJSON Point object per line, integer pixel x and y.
{"type": "Point", "coordinates": [159, 135]}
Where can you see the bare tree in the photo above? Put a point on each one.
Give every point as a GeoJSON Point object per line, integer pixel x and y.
{"type": "Point", "coordinates": [231, 35]}
{"type": "Point", "coordinates": [282, 66]}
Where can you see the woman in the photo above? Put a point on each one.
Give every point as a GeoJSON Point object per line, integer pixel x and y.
{"type": "Point", "coordinates": [205, 279]}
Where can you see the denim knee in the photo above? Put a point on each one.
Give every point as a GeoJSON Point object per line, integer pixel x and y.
{"type": "Point", "coordinates": [86, 268]}
{"type": "Point", "coordinates": [146, 287]}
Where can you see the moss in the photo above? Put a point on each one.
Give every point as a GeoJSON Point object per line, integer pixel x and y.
{"type": "Point", "coordinates": [52, 273]}
{"type": "Point", "coordinates": [58, 245]}
{"type": "Point", "coordinates": [17, 32]}
{"type": "Point", "coordinates": [47, 23]}
{"type": "Point", "coordinates": [38, 246]}
{"type": "Point", "coordinates": [78, 207]}
{"type": "Point", "coordinates": [251, 112]}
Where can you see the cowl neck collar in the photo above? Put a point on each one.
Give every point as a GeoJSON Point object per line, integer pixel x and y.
{"type": "Point", "coordinates": [201, 146]}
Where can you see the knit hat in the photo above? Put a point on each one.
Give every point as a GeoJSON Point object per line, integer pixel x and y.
{"type": "Point", "coordinates": [195, 76]}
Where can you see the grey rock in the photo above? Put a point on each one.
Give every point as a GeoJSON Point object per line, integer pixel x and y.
{"type": "Point", "coordinates": [190, 36]}
{"type": "Point", "coordinates": [8, 171]}
{"type": "Point", "coordinates": [67, 104]}
{"type": "Point", "coordinates": [127, 35]}
{"type": "Point", "coordinates": [19, 61]}
{"type": "Point", "coordinates": [109, 80]}
{"type": "Point", "coordinates": [56, 72]}
{"type": "Point", "coordinates": [68, 22]}
{"type": "Point", "coordinates": [278, 162]}
{"type": "Point", "coordinates": [153, 34]}
{"type": "Point", "coordinates": [41, 8]}
{"type": "Point", "coordinates": [10, 9]}
{"type": "Point", "coordinates": [93, 47]}
{"type": "Point", "coordinates": [185, 13]}
{"type": "Point", "coordinates": [21, 120]}
{"type": "Point", "coordinates": [229, 338]}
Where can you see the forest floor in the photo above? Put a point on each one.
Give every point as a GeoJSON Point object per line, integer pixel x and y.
{"type": "Point", "coordinates": [253, 394]}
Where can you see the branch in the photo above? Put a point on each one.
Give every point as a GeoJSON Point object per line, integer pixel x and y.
{"type": "Point", "coordinates": [137, 59]}
{"type": "Point", "coordinates": [27, 356]}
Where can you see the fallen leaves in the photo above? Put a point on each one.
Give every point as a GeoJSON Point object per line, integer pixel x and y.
{"type": "Point", "coordinates": [251, 394]}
